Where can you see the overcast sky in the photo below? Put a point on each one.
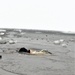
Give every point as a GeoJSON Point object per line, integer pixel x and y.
{"type": "Point", "coordinates": [38, 14]}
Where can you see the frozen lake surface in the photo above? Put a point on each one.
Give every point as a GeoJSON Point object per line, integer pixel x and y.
{"type": "Point", "coordinates": [61, 62]}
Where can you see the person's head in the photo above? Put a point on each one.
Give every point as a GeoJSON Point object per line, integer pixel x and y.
{"type": "Point", "coordinates": [22, 50]}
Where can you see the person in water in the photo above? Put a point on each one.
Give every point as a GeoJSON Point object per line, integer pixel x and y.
{"type": "Point", "coordinates": [24, 50]}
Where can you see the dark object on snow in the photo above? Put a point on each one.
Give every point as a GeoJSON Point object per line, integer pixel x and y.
{"type": "Point", "coordinates": [22, 50]}
{"type": "Point", "coordinates": [49, 52]}
{"type": "Point", "coordinates": [0, 56]}
{"type": "Point", "coordinates": [46, 51]}
{"type": "Point", "coordinates": [28, 51]}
